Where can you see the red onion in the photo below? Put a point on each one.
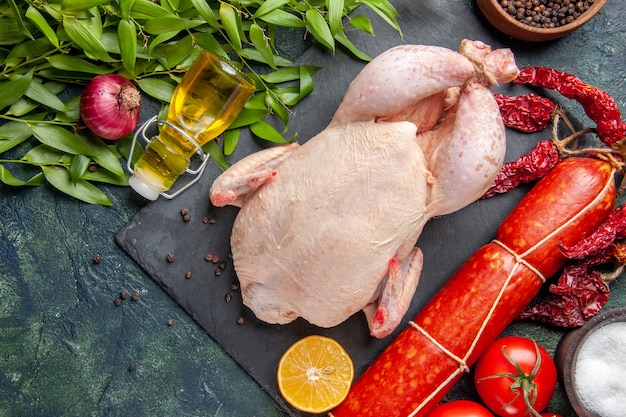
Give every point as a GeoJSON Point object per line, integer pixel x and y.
{"type": "Point", "coordinates": [109, 106]}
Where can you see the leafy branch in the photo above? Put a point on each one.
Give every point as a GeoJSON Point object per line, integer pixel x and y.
{"type": "Point", "coordinates": [47, 46]}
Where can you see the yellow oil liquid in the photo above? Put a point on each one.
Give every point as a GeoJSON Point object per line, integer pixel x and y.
{"type": "Point", "coordinates": [206, 101]}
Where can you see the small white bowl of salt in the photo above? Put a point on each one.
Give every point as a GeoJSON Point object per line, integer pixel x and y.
{"type": "Point", "coordinates": [592, 365]}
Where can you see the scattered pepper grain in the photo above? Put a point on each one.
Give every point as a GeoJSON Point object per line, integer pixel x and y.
{"type": "Point", "coordinates": [188, 275]}
{"type": "Point", "coordinates": [117, 301]}
{"type": "Point", "coordinates": [97, 259]}
{"type": "Point", "coordinates": [123, 294]}
{"type": "Point", "coordinates": [135, 296]}
{"type": "Point", "coordinates": [218, 272]}
{"type": "Point", "coordinates": [211, 257]}
{"type": "Point", "coordinates": [170, 321]}
{"type": "Point", "coordinates": [132, 367]}
{"type": "Point", "coordinates": [228, 298]}
{"type": "Point", "coordinates": [240, 320]}
{"type": "Point", "coordinates": [170, 257]}
{"type": "Point", "coordinates": [234, 286]}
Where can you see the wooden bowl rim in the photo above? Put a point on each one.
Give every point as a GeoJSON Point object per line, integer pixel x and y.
{"type": "Point", "coordinates": [570, 346]}
{"type": "Point", "coordinates": [550, 33]}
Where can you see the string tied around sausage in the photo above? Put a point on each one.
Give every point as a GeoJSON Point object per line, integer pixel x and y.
{"type": "Point", "coordinates": [520, 260]}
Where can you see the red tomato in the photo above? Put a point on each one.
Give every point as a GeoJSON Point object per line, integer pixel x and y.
{"type": "Point", "coordinates": [514, 375]}
{"type": "Point", "coordinates": [460, 408]}
{"type": "Point", "coordinates": [550, 415]}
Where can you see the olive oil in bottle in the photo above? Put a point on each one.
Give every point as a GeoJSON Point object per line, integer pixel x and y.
{"type": "Point", "coordinates": [206, 101]}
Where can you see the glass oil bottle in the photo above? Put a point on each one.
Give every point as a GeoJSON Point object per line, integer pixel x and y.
{"type": "Point", "coordinates": [206, 101]}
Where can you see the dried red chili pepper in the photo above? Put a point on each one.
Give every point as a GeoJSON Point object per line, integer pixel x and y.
{"type": "Point", "coordinates": [526, 113]}
{"type": "Point", "coordinates": [613, 228]}
{"type": "Point", "coordinates": [579, 294]}
{"type": "Point", "coordinates": [598, 104]}
{"type": "Point", "coordinates": [529, 167]}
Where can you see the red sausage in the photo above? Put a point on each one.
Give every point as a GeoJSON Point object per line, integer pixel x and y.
{"type": "Point", "coordinates": [485, 295]}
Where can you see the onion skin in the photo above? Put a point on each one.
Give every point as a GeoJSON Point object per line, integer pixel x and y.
{"type": "Point", "coordinates": [110, 105]}
{"type": "Point", "coordinates": [412, 374]}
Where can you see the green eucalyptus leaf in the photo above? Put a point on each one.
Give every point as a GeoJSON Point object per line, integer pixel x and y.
{"type": "Point", "coordinates": [13, 89]}
{"type": "Point", "coordinates": [83, 36]}
{"type": "Point", "coordinates": [159, 39]}
{"type": "Point", "coordinates": [72, 115]}
{"type": "Point", "coordinates": [124, 147]}
{"type": "Point", "coordinates": [39, 93]}
{"type": "Point", "coordinates": [12, 134]}
{"type": "Point", "coordinates": [10, 32]}
{"type": "Point", "coordinates": [73, 6]}
{"type": "Point", "coordinates": [282, 18]}
{"type": "Point", "coordinates": [43, 155]}
{"type": "Point", "coordinates": [386, 11]}
{"type": "Point", "coordinates": [18, 18]}
{"type": "Point", "coordinates": [231, 139]}
{"type": "Point", "coordinates": [266, 131]}
{"type": "Point", "coordinates": [40, 21]}
{"type": "Point", "coordinates": [261, 44]}
{"type": "Point", "coordinates": [78, 167]}
{"type": "Point", "coordinates": [175, 53]}
{"type": "Point", "coordinates": [7, 178]}
{"type": "Point", "coordinates": [104, 176]}
{"type": "Point", "coordinates": [24, 105]}
{"type": "Point", "coordinates": [318, 26]}
{"type": "Point", "coordinates": [159, 88]}
{"type": "Point", "coordinates": [216, 154]}
{"type": "Point", "coordinates": [125, 8]}
{"type": "Point", "coordinates": [231, 22]}
{"type": "Point", "coordinates": [306, 79]}
{"type": "Point", "coordinates": [289, 74]}
{"type": "Point", "coordinates": [257, 102]}
{"type": "Point", "coordinates": [362, 23]}
{"type": "Point", "coordinates": [247, 117]}
{"type": "Point", "coordinates": [269, 6]}
{"type": "Point", "coordinates": [21, 107]}
{"type": "Point", "coordinates": [74, 63]}
{"type": "Point", "coordinates": [82, 190]}
{"type": "Point", "coordinates": [61, 139]}
{"type": "Point", "coordinates": [203, 8]}
{"type": "Point", "coordinates": [27, 50]}
{"type": "Point", "coordinates": [127, 36]}
{"type": "Point", "coordinates": [279, 110]}
{"type": "Point", "coordinates": [335, 15]}
{"type": "Point", "coordinates": [146, 9]}
{"type": "Point", "coordinates": [104, 155]}
{"type": "Point", "coordinates": [208, 42]}
{"type": "Point", "coordinates": [254, 55]}
{"type": "Point", "coordinates": [347, 43]}
{"type": "Point", "coordinates": [169, 24]}
{"type": "Point", "coordinates": [290, 96]}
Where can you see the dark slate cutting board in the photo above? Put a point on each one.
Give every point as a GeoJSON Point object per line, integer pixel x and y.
{"type": "Point", "coordinates": [158, 229]}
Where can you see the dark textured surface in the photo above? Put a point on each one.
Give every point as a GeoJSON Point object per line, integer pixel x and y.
{"type": "Point", "coordinates": [65, 348]}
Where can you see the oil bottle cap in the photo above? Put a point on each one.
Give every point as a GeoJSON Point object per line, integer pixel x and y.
{"type": "Point", "coordinates": [144, 188]}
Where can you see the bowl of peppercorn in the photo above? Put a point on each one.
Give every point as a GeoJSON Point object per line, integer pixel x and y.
{"type": "Point", "coordinates": [539, 20]}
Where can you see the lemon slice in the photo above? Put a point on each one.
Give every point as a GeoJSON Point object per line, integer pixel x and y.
{"type": "Point", "coordinates": [314, 374]}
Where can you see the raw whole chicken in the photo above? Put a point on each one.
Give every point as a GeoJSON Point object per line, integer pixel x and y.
{"type": "Point", "coordinates": [329, 228]}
